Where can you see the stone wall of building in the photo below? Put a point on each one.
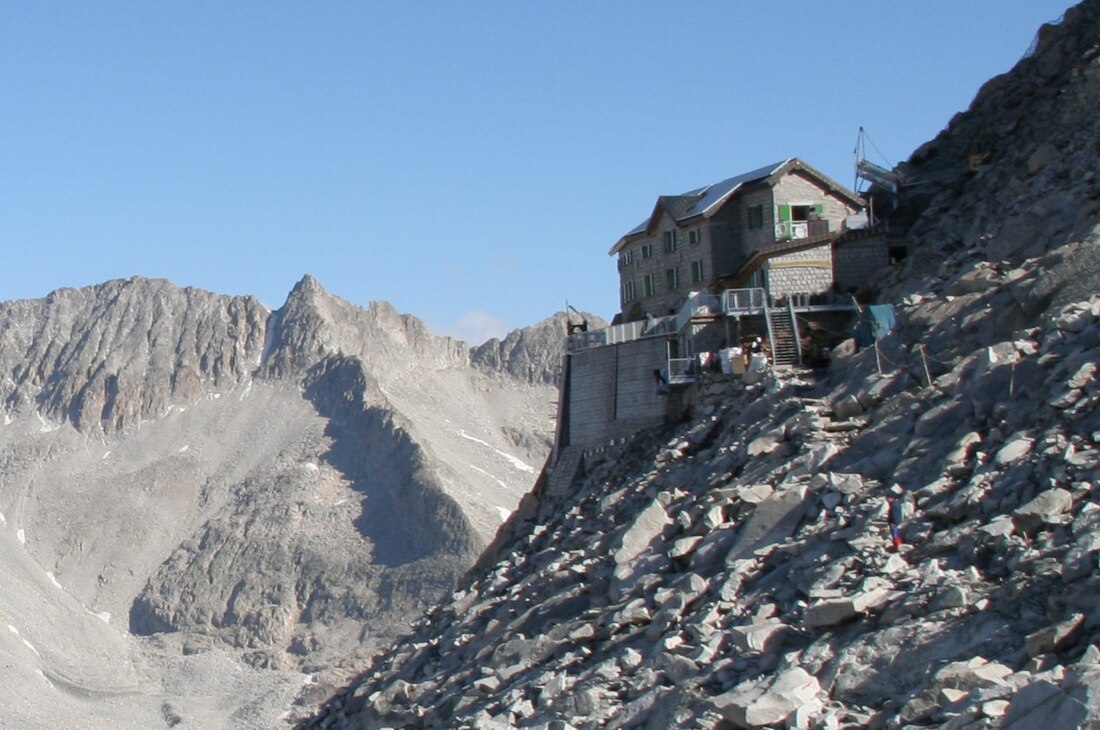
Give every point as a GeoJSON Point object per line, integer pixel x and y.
{"type": "Point", "coordinates": [796, 189]}
{"type": "Point", "coordinates": [809, 271]}
{"type": "Point", "coordinates": [635, 267]}
{"type": "Point", "coordinates": [856, 263]}
{"type": "Point", "coordinates": [754, 239]}
{"type": "Point", "coordinates": [724, 243]}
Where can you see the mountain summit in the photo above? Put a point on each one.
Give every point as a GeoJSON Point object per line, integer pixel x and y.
{"type": "Point", "coordinates": [289, 486]}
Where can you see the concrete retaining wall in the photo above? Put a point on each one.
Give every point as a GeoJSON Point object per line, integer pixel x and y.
{"type": "Point", "coordinates": [612, 391]}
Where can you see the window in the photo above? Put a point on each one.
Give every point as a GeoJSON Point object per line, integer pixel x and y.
{"type": "Point", "coordinates": [628, 291]}
{"type": "Point", "coordinates": [649, 285]}
{"type": "Point", "coordinates": [626, 258]}
{"type": "Point", "coordinates": [696, 271]}
{"type": "Point", "coordinates": [795, 219]}
{"type": "Point", "coordinates": [670, 241]}
{"type": "Point", "coordinates": [672, 279]}
{"type": "Point", "coordinates": [647, 250]}
{"type": "Point", "coordinates": [695, 236]}
{"type": "Point", "coordinates": [756, 217]}
{"type": "Point", "coordinates": [798, 212]}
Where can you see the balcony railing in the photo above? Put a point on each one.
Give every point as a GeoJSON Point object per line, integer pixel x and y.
{"type": "Point", "coordinates": [744, 301]}
{"type": "Point", "coordinates": [797, 230]}
{"type": "Point", "coordinates": [620, 333]}
{"type": "Point", "coordinates": [681, 370]}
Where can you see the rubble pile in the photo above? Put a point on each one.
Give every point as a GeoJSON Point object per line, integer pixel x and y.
{"type": "Point", "coordinates": [737, 570]}
{"type": "Point", "coordinates": [740, 577]}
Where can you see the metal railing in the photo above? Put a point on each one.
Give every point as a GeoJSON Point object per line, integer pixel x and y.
{"type": "Point", "coordinates": [794, 330]}
{"type": "Point", "coordinates": [681, 370]}
{"type": "Point", "coordinates": [797, 230]}
{"type": "Point", "coordinates": [620, 333]}
{"type": "Point", "coordinates": [744, 301]}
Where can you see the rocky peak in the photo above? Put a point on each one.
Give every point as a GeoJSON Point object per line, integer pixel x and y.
{"type": "Point", "coordinates": [314, 324]}
{"type": "Point", "coordinates": [111, 355]}
{"type": "Point", "coordinates": [1015, 176]}
{"type": "Point", "coordinates": [531, 354]}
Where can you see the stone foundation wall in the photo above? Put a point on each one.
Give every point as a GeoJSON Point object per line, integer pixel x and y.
{"type": "Point", "coordinates": [613, 392]}
{"type": "Point", "coordinates": [860, 262]}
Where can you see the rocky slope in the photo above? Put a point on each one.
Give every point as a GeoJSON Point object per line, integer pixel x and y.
{"type": "Point", "coordinates": [736, 570]}
{"type": "Point", "coordinates": [276, 488]}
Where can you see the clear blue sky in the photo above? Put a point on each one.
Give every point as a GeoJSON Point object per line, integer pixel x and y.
{"type": "Point", "coordinates": [469, 162]}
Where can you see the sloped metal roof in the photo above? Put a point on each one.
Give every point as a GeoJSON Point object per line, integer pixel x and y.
{"type": "Point", "coordinates": [699, 201]}
{"type": "Point", "coordinates": [677, 206]}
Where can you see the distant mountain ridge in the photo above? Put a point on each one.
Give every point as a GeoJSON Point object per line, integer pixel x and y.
{"type": "Point", "coordinates": [293, 483]}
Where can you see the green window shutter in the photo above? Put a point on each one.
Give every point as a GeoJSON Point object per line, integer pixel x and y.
{"type": "Point", "coordinates": [819, 208]}
{"type": "Point", "coordinates": [784, 212]}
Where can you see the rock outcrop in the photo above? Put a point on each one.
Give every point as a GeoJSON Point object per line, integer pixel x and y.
{"type": "Point", "coordinates": [523, 354]}
{"type": "Point", "coordinates": [737, 570]}
{"type": "Point", "coordinates": [109, 356]}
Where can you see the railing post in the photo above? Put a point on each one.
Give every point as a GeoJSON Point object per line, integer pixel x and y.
{"type": "Point", "coordinates": [794, 330]}
{"type": "Point", "coordinates": [771, 333]}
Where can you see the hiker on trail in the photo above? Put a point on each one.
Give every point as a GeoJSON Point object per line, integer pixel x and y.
{"type": "Point", "coordinates": [896, 515]}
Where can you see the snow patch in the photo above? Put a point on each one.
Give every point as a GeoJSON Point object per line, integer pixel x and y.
{"type": "Point", "coordinates": [21, 536]}
{"type": "Point", "coordinates": [504, 513]}
{"type": "Point", "coordinates": [310, 466]}
{"type": "Point", "coordinates": [475, 439]}
{"type": "Point", "coordinates": [183, 449]}
{"type": "Point", "coordinates": [8, 420]}
{"type": "Point", "coordinates": [105, 455]}
{"type": "Point", "coordinates": [246, 391]}
{"type": "Point", "coordinates": [53, 578]}
{"type": "Point", "coordinates": [104, 616]}
{"type": "Point", "coordinates": [2, 520]}
{"type": "Point", "coordinates": [482, 471]}
{"type": "Point", "coordinates": [517, 463]}
{"type": "Point", "coordinates": [29, 645]}
{"type": "Point", "coordinates": [46, 426]}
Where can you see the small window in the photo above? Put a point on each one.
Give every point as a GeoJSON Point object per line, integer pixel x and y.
{"type": "Point", "coordinates": [695, 236]}
{"type": "Point", "coordinates": [628, 291]}
{"type": "Point", "coordinates": [801, 212]}
{"type": "Point", "coordinates": [672, 279]}
{"type": "Point", "coordinates": [670, 241]}
{"type": "Point", "coordinates": [756, 217]}
{"type": "Point", "coordinates": [696, 271]}
{"type": "Point", "coordinates": [649, 285]}
{"type": "Point", "coordinates": [647, 250]}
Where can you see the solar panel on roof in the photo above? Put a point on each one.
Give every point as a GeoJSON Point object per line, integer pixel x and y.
{"type": "Point", "coordinates": [710, 194]}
